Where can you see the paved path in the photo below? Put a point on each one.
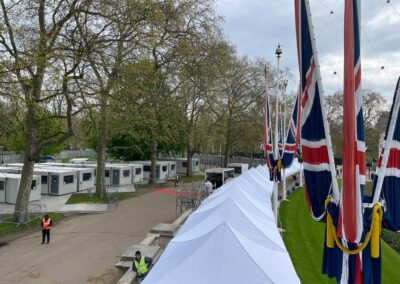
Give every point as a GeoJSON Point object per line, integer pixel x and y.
{"type": "Point", "coordinates": [84, 249]}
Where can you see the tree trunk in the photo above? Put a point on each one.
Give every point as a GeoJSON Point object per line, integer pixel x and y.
{"type": "Point", "coordinates": [189, 168]}
{"type": "Point", "coordinates": [154, 138]}
{"type": "Point", "coordinates": [101, 149]}
{"type": "Point", "coordinates": [227, 146]}
{"type": "Point", "coordinates": [22, 203]}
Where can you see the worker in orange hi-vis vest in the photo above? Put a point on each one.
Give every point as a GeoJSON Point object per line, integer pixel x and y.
{"type": "Point", "coordinates": [46, 226]}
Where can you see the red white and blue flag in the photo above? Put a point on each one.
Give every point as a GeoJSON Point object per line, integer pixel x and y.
{"type": "Point", "coordinates": [292, 137]}
{"type": "Point", "coordinates": [387, 179]}
{"type": "Point", "coordinates": [315, 139]}
{"type": "Point", "coordinates": [268, 146]}
{"type": "Point", "coordinates": [350, 224]}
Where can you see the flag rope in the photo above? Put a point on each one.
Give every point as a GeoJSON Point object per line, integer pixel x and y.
{"type": "Point", "coordinates": [372, 235]}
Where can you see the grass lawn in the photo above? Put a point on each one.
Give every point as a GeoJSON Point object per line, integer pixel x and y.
{"type": "Point", "coordinates": [77, 198]}
{"type": "Point", "coordinates": [6, 228]}
{"type": "Point", "coordinates": [194, 178]}
{"type": "Point", "coordinates": [304, 241]}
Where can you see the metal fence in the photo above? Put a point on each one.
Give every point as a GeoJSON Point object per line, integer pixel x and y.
{"type": "Point", "coordinates": [7, 157]}
{"type": "Point", "coordinates": [75, 153]}
{"type": "Point", "coordinates": [210, 161]}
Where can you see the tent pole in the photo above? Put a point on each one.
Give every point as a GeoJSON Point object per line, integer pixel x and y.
{"type": "Point", "coordinates": [275, 202]}
{"type": "Point", "coordinates": [284, 184]}
{"type": "Point", "coordinates": [301, 174]}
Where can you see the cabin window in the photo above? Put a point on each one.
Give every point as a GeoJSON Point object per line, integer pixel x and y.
{"type": "Point", "coordinates": [1, 185]}
{"type": "Point", "coordinates": [126, 173]}
{"type": "Point", "coordinates": [68, 179]}
{"type": "Point", "coordinates": [238, 170]}
{"type": "Point", "coordinates": [147, 168]}
{"type": "Point", "coordinates": [106, 173]}
{"type": "Point", "coordinates": [138, 171]}
{"type": "Point", "coordinates": [197, 163]}
{"type": "Point", "coordinates": [184, 164]}
{"type": "Point", "coordinates": [172, 167]}
{"type": "Point", "coordinates": [86, 176]}
{"type": "Point", "coordinates": [164, 168]}
{"type": "Point", "coordinates": [33, 185]}
{"type": "Point", "coordinates": [44, 179]}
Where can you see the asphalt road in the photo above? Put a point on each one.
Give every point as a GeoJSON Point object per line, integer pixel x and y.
{"type": "Point", "coordinates": [84, 248]}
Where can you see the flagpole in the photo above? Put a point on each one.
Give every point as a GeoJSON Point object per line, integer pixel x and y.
{"type": "Point", "coordinates": [284, 138]}
{"type": "Point", "coordinates": [335, 188]}
{"type": "Point", "coordinates": [278, 53]}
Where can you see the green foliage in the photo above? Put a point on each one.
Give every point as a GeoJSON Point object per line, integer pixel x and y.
{"type": "Point", "coordinates": [304, 240]}
{"type": "Point", "coordinates": [7, 227]}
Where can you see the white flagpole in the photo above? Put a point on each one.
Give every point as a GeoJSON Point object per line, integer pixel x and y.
{"type": "Point", "coordinates": [275, 204]}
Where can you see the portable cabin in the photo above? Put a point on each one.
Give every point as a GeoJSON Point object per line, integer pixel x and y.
{"type": "Point", "coordinates": [181, 165]}
{"type": "Point", "coordinates": [56, 180]}
{"type": "Point", "coordinates": [10, 170]}
{"type": "Point", "coordinates": [137, 172]}
{"type": "Point", "coordinates": [161, 170]}
{"type": "Point", "coordinates": [119, 174]}
{"type": "Point", "coordinates": [219, 176]}
{"type": "Point", "coordinates": [79, 160]}
{"type": "Point", "coordinates": [171, 169]}
{"type": "Point", "coordinates": [9, 186]}
{"type": "Point", "coordinates": [239, 168]}
{"type": "Point", "coordinates": [84, 176]}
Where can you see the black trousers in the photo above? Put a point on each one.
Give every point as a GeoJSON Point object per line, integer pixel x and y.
{"type": "Point", "coordinates": [44, 234]}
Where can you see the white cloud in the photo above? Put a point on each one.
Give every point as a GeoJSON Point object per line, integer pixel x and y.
{"type": "Point", "coordinates": [256, 26]}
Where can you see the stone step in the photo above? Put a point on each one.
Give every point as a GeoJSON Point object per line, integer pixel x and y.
{"type": "Point", "coordinates": [164, 229]}
{"type": "Point", "coordinates": [149, 251]}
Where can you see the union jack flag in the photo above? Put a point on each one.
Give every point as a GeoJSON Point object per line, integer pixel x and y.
{"type": "Point", "coordinates": [387, 179]}
{"type": "Point", "coordinates": [315, 140]}
{"type": "Point", "coordinates": [292, 136]}
{"type": "Point", "coordinates": [268, 146]}
{"type": "Point", "coordinates": [351, 218]}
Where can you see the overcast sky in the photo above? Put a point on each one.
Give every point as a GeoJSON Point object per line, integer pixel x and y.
{"type": "Point", "coordinates": [255, 27]}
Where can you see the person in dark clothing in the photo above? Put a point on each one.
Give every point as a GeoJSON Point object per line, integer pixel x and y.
{"type": "Point", "coordinates": [46, 226]}
{"type": "Point", "coordinates": [141, 265]}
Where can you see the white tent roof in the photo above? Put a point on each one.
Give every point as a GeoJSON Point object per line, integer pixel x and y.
{"type": "Point", "coordinates": [231, 238]}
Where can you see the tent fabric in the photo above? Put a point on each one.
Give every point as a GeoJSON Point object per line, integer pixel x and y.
{"type": "Point", "coordinates": [231, 238]}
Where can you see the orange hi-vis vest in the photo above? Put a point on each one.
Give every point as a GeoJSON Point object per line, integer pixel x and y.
{"type": "Point", "coordinates": [46, 224]}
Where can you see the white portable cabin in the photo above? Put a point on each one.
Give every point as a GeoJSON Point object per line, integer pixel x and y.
{"type": "Point", "coordinates": [10, 170]}
{"type": "Point", "coordinates": [56, 180]}
{"type": "Point", "coordinates": [79, 161]}
{"type": "Point", "coordinates": [171, 168]}
{"type": "Point", "coordinates": [84, 176]}
{"type": "Point", "coordinates": [161, 170]}
{"type": "Point", "coordinates": [239, 168]}
{"type": "Point", "coordinates": [119, 174]}
{"type": "Point", "coordinates": [181, 165]}
{"type": "Point", "coordinates": [9, 186]}
{"type": "Point", "coordinates": [137, 172]}
{"type": "Point", "coordinates": [219, 176]}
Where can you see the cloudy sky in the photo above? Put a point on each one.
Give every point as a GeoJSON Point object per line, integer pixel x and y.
{"type": "Point", "coordinates": [255, 27]}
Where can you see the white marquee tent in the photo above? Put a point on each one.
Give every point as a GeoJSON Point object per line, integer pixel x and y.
{"type": "Point", "coordinates": [231, 238]}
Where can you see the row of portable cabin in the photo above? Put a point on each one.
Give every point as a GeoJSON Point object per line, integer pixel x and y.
{"type": "Point", "coordinates": [65, 178]}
